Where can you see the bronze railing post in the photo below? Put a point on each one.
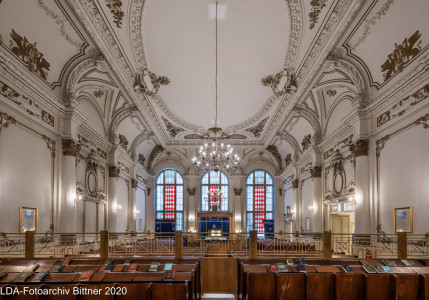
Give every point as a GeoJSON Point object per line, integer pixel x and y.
{"type": "Point", "coordinates": [29, 245]}
{"type": "Point", "coordinates": [327, 245]}
{"type": "Point", "coordinates": [402, 245]}
{"type": "Point", "coordinates": [253, 250]}
{"type": "Point", "coordinates": [104, 244]}
{"type": "Point", "coordinates": [178, 244]}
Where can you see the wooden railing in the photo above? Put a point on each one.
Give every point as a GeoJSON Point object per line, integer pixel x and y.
{"type": "Point", "coordinates": [191, 244]}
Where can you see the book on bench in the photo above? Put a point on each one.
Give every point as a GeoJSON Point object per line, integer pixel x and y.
{"type": "Point", "coordinates": [168, 267]}
{"type": "Point", "coordinates": [301, 268]}
{"type": "Point", "coordinates": [57, 268]}
{"type": "Point", "coordinates": [290, 262]}
{"type": "Point", "coordinates": [272, 269]}
{"type": "Point", "coordinates": [346, 269]}
{"type": "Point", "coordinates": [303, 261]}
{"type": "Point", "coordinates": [387, 269]}
{"type": "Point", "coordinates": [296, 261]}
{"type": "Point", "coordinates": [40, 277]}
{"type": "Point", "coordinates": [369, 269]}
{"type": "Point", "coordinates": [153, 267]}
{"type": "Point", "coordinates": [169, 275]}
{"type": "Point", "coordinates": [85, 276]}
{"type": "Point", "coordinates": [108, 261]}
{"type": "Point", "coordinates": [379, 269]}
{"type": "Point", "coordinates": [282, 268]}
{"type": "Point", "coordinates": [32, 268]}
{"type": "Point", "coordinates": [109, 267]}
{"type": "Point", "coordinates": [2, 274]}
{"type": "Point", "coordinates": [23, 277]}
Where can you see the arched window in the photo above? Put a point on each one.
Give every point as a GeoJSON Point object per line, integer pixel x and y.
{"type": "Point", "coordinates": [259, 200]}
{"type": "Point", "coordinates": [169, 197]}
{"type": "Point", "coordinates": [214, 182]}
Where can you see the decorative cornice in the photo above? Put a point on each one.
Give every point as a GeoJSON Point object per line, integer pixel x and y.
{"type": "Point", "coordinates": [360, 148]}
{"type": "Point", "coordinates": [71, 148]}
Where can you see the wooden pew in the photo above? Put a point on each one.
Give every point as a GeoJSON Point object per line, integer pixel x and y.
{"type": "Point", "coordinates": [60, 287]}
{"type": "Point", "coordinates": [349, 286]}
{"type": "Point", "coordinates": [320, 286]}
{"type": "Point", "coordinates": [406, 286]}
{"type": "Point", "coordinates": [424, 287]}
{"type": "Point", "coordinates": [261, 286]}
{"type": "Point", "coordinates": [161, 291]}
{"type": "Point", "coordinates": [139, 291]}
{"type": "Point", "coordinates": [379, 286]}
{"type": "Point", "coordinates": [291, 286]}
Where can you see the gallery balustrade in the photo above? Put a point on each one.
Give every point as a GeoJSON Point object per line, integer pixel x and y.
{"type": "Point", "coordinates": [194, 244]}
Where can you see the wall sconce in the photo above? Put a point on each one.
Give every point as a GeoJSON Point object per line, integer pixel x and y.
{"type": "Point", "coordinates": [289, 214]}
{"type": "Point", "coordinates": [117, 207]}
{"type": "Point", "coordinates": [191, 218]}
{"type": "Point", "coordinates": [136, 212]}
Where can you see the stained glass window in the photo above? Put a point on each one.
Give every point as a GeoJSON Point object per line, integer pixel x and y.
{"type": "Point", "coordinates": [214, 182]}
{"type": "Point", "coordinates": [259, 200]}
{"type": "Point", "coordinates": [169, 197]}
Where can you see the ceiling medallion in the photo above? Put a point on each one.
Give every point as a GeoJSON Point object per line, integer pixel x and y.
{"type": "Point", "coordinates": [212, 156]}
{"type": "Point", "coordinates": [148, 83]}
{"type": "Point", "coordinates": [281, 83]}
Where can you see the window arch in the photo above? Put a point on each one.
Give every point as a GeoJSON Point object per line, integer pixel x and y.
{"type": "Point", "coordinates": [169, 197]}
{"type": "Point", "coordinates": [259, 200]}
{"type": "Point", "coordinates": [214, 181]}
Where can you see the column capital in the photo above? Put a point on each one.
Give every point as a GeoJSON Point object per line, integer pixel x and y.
{"type": "Point", "coordinates": [114, 171]}
{"type": "Point", "coordinates": [191, 191]}
{"type": "Point", "coordinates": [316, 172]}
{"type": "Point", "coordinates": [134, 183]}
{"type": "Point", "coordinates": [295, 184]}
{"type": "Point", "coordinates": [71, 147]}
{"type": "Point", "coordinates": [237, 191]}
{"type": "Point", "coordinates": [360, 147]}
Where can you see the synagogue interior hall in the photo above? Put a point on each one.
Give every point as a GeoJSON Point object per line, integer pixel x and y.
{"type": "Point", "coordinates": [211, 149]}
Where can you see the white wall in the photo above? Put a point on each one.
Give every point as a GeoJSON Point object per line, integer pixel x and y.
{"type": "Point", "coordinates": [122, 214]}
{"type": "Point", "coordinates": [25, 177]}
{"type": "Point", "coordinates": [404, 177]}
{"type": "Point", "coordinates": [141, 208]}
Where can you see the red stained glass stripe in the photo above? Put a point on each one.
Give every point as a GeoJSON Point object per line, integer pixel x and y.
{"type": "Point", "coordinates": [213, 200]}
{"type": "Point", "coordinates": [169, 200]}
{"type": "Point", "coordinates": [259, 198]}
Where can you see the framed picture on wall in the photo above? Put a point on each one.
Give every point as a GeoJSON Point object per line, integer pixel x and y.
{"type": "Point", "coordinates": [27, 219]}
{"type": "Point", "coordinates": [403, 219]}
{"type": "Point", "coordinates": [307, 224]}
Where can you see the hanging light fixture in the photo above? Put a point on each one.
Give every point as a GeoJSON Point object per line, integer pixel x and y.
{"type": "Point", "coordinates": [211, 155]}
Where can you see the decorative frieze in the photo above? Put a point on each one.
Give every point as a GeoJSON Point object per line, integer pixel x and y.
{"type": "Point", "coordinates": [403, 105]}
{"type": "Point", "coordinates": [289, 179]}
{"type": "Point", "coordinates": [341, 144]}
{"type": "Point", "coordinates": [29, 105]}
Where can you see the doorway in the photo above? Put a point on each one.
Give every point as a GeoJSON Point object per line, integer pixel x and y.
{"type": "Point", "coordinates": [342, 228]}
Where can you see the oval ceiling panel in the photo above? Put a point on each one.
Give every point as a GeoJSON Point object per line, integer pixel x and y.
{"type": "Point", "coordinates": [179, 41]}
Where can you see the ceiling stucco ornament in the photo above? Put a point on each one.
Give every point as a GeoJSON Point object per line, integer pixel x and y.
{"type": "Point", "coordinates": [275, 152]}
{"type": "Point", "coordinates": [60, 21]}
{"type": "Point", "coordinates": [116, 10]}
{"type": "Point", "coordinates": [281, 83]}
{"type": "Point", "coordinates": [316, 9]}
{"type": "Point", "coordinates": [296, 31]}
{"type": "Point", "coordinates": [172, 129]}
{"type": "Point", "coordinates": [257, 129]}
{"type": "Point", "coordinates": [148, 82]}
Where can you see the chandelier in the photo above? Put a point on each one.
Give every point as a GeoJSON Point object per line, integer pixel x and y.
{"type": "Point", "coordinates": [214, 156]}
